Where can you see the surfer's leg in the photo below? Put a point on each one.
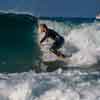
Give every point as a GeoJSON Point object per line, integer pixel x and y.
{"type": "Point", "coordinates": [55, 51]}
{"type": "Point", "coordinates": [54, 48]}
{"type": "Point", "coordinates": [57, 45]}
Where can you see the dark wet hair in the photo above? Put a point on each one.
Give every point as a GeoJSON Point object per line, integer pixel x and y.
{"type": "Point", "coordinates": [44, 25]}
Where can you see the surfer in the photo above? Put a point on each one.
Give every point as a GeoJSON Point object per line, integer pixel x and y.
{"type": "Point", "coordinates": [58, 40]}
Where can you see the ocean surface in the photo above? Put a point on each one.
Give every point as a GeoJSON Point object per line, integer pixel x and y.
{"type": "Point", "coordinates": [25, 76]}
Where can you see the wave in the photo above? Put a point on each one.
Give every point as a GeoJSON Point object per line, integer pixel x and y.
{"type": "Point", "coordinates": [19, 49]}
{"type": "Point", "coordinates": [17, 42]}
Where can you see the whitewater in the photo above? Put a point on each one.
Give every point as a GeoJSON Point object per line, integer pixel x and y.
{"type": "Point", "coordinates": [82, 41]}
{"type": "Point", "coordinates": [69, 85]}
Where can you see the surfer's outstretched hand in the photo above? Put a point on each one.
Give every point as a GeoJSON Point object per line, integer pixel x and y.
{"type": "Point", "coordinates": [40, 43]}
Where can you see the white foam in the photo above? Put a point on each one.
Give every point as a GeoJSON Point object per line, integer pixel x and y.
{"type": "Point", "coordinates": [20, 91]}
{"type": "Point", "coordinates": [56, 94]}
{"type": "Point", "coordinates": [50, 86]}
{"type": "Point", "coordinates": [84, 37]}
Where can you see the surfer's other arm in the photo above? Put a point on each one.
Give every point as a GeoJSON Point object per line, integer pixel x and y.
{"type": "Point", "coordinates": [44, 38]}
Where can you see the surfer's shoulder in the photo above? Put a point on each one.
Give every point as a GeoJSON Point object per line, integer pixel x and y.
{"type": "Point", "coordinates": [51, 31]}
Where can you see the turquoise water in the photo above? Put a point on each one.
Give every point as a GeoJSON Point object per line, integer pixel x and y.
{"type": "Point", "coordinates": [17, 42]}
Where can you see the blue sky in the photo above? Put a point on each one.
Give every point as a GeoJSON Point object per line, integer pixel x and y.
{"type": "Point", "coordinates": [52, 8]}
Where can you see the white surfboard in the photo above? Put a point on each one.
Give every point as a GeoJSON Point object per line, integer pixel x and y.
{"type": "Point", "coordinates": [48, 56]}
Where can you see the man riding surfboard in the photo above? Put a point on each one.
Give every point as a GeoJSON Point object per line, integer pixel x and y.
{"type": "Point", "coordinates": [58, 40]}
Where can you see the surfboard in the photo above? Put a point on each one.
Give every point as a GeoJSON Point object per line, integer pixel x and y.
{"type": "Point", "coordinates": [48, 56]}
{"type": "Point", "coordinates": [51, 57]}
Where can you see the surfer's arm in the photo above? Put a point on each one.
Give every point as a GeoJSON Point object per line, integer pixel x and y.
{"type": "Point", "coordinates": [44, 38]}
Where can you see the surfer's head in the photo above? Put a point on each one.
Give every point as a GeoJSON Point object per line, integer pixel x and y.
{"type": "Point", "coordinates": [43, 28]}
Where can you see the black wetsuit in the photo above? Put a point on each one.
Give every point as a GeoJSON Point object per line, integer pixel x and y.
{"type": "Point", "coordinates": [59, 40]}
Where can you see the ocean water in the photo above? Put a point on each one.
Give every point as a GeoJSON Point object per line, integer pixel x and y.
{"type": "Point", "coordinates": [17, 42]}
{"type": "Point", "coordinates": [25, 76]}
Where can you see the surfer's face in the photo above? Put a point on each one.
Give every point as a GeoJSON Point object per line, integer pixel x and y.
{"type": "Point", "coordinates": [42, 29]}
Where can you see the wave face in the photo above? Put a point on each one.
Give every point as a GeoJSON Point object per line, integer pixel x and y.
{"type": "Point", "coordinates": [17, 42]}
{"type": "Point", "coordinates": [81, 39]}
